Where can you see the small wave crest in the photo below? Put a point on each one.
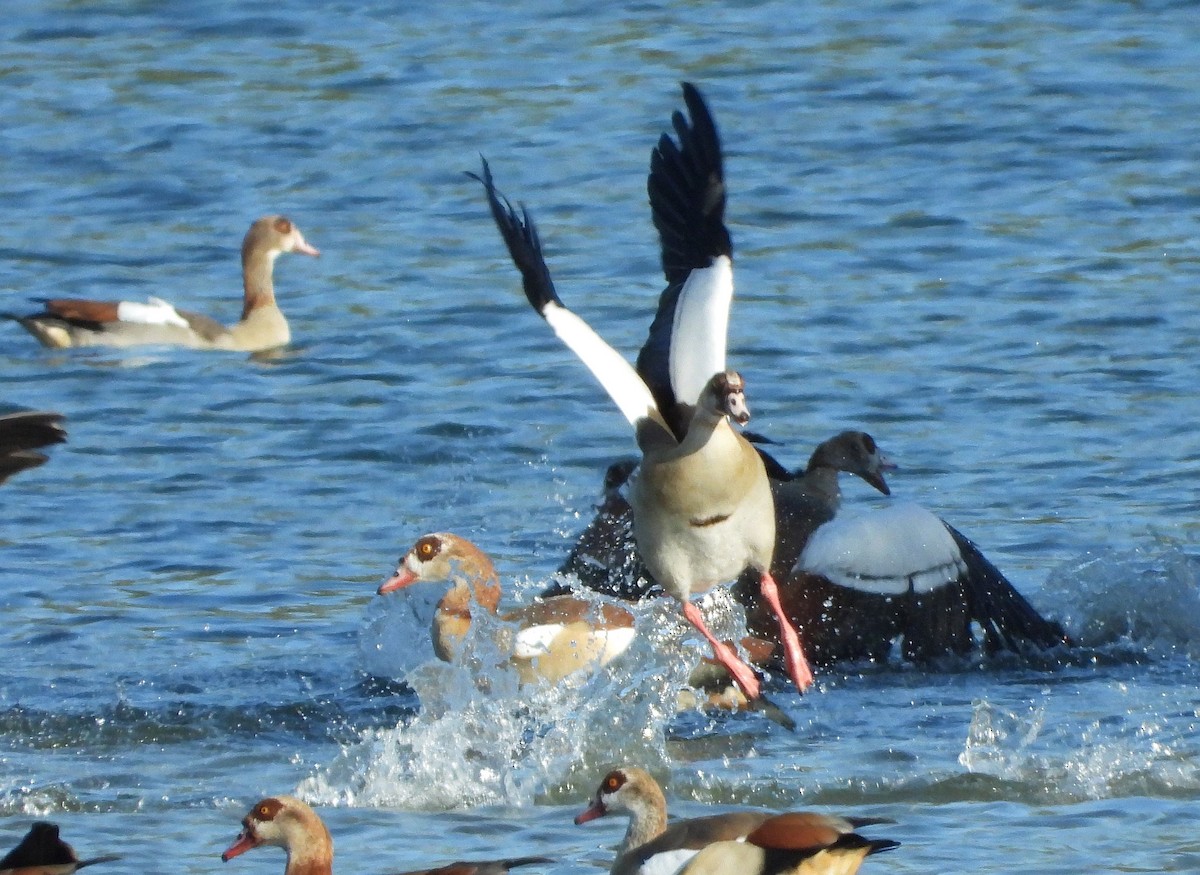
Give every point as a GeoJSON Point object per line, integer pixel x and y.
{"type": "Point", "coordinates": [1146, 600]}
{"type": "Point", "coordinates": [1049, 757]}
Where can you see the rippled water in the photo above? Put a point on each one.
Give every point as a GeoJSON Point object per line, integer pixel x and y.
{"type": "Point", "coordinates": [971, 230]}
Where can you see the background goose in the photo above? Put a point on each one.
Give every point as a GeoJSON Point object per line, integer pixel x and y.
{"type": "Point", "coordinates": [289, 823]}
{"type": "Point", "coordinates": [652, 845]}
{"type": "Point", "coordinates": [42, 852]}
{"type": "Point", "coordinates": [67, 322]}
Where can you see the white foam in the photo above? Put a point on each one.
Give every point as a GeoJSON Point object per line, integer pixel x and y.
{"type": "Point", "coordinates": [482, 739]}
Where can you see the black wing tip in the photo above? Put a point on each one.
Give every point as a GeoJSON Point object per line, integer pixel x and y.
{"type": "Point", "coordinates": [1010, 621]}
{"type": "Point", "coordinates": [106, 858]}
{"type": "Point", "coordinates": [687, 190]}
{"type": "Point", "coordinates": [520, 235]}
{"type": "Point", "coordinates": [527, 861]}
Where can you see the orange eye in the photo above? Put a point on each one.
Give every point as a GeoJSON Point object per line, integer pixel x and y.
{"type": "Point", "coordinates": [263, 811]}
{"type": "Point", "coordinates": [426, 549]}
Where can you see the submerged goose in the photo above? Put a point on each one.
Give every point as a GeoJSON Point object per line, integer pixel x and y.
{"type": "Point", "coordinates": [22, 434]}
{"type": "Point", "coordinates": [67, 322]}
{"type": "Point", "coordinates": [702, 502]}
{"type": "Point", "coordinates": [288, 823]}
{"type": "Point", "coordinates": [555, 636]}
{"type": "Point", "coordinates": [42, 852]}
{"type": "Point", "coordinates": [652, 845]}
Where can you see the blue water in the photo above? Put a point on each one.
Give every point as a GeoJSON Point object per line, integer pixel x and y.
{"type": "Point", "coordinates": [969, 228]}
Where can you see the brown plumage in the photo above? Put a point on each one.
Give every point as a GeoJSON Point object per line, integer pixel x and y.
{"type": "Point", "coordinates": [289, 823]}
{"type": "Point", "coordinates": [553, 638]}
{"type": "Point", "coordinates": [796, 843]}
{"type": "Point", "coordinates": [69, 322]}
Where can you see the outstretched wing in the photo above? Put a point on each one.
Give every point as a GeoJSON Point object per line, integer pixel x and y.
{"type": "Point", "coordinates": [614, 373]}
{"type": "Point", "coordinates": [687, 339]}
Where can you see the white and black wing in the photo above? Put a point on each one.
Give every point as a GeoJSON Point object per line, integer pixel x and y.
{"type": "Point", "coordinates": [935, 581]}
{"type": "Point", "coordinates": [608, 366]}
{"type": "Point", "coordinates": [687, 340]}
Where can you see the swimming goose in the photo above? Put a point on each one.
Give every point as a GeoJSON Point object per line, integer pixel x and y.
{"type": "Point", "coordinates": [67, 322]}
{"type": "Point", "coordinates": [855, 583]}
{"type": "Point", "coordinates": [42, 852]}
{"type": "Point", "coordinates": [702, 502]}
{"type": "Point", "coordinates": [555, 636]}
{"type": "Point", "coordinates": [799, 843]}
{"type": "Point", "coordinates": [866, 579]}
{"type": "Point", "coordinates": [22, 434]}
{"type": "Point", "coordinates": [287, 822]}
{"type": "Point", "coordinates": [652, 845]}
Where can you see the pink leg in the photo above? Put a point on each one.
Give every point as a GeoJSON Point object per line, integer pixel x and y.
{"type": "Point", "coordinates": [797, 665]}
{"type": "Point", "coordinates": [725, 654]}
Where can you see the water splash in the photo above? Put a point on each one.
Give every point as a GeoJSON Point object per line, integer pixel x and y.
{"type": "Point", "coordinates": [1126, 753]}
{"type": "Point", "coordinates": [1147, 599]}
{"type": "Point", "coordinates": [481, 738]}
{"type": "Point", "coordinates": [999, 741]}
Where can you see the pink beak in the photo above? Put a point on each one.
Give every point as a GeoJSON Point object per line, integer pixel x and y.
{"type": "Point", "coordinates": [402, 578]}
{"type": "Point", "coordinates": [596, 809]}
{"type": "Point", "coordinates": [244, 842]}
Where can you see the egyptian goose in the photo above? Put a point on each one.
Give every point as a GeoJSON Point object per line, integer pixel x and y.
{"type": "Point", "coordinates": [652, 845]}
{"type": "Point", "coordinates": [849, 591]}
{"type": "Point", "coordinates": [67, 322]}
{"type": "Point", "coordinates": [42, 852]}
{"type": "Point", "coordinates": [554, 637]}
{"type": "Point", "coordinates": [702, 502]}
{"type": "Point", "coordinates": [287, 822]}
{"type": "Point", "coordinates": [799, 843]}
{"type": "Point", "coordinates": [861, 581]}
{"type": "Point", "coordinates": [22, 435]}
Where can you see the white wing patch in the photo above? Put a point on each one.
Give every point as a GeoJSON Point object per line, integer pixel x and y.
{"type": "Point", "coordinates": [616, 642]}
{"type": "Point", "coordinates": [534, 641]}
{"type": "Point", "coordinates": [155, 311]}
{"type": "Point", "coordinates": [615, 374]}
{"type": "Point", "coordinates": [885, 552]}
{"type": "Point", "coordinates": [699, 333]}
{"type": "Point", "coordinates": [667, 862]}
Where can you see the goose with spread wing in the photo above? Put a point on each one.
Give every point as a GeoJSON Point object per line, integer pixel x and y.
{"type": "Point", "coordinates": [702, 504]}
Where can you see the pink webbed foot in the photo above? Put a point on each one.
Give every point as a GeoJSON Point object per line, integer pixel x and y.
{"type": "Point", "coordinates": [738, 670]}
{"type": "Point", "coordinates": [797, 664]}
